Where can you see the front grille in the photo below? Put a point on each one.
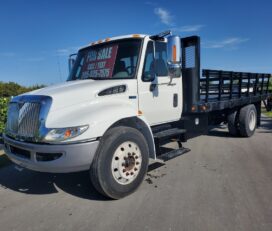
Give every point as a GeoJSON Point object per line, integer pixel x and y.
{"type": "Point", "coordinates": [13, 114]}
{"type": "Point", "coordinates": [23, 119]}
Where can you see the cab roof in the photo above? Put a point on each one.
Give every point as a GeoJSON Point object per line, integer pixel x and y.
{"type": "Point", "coordinates": [115, 38]}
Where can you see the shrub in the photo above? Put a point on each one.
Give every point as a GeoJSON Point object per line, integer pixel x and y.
{"type": "Point", "coordinates": [3, 112]}
{"type": "Point", "coordinates": [12, 89]}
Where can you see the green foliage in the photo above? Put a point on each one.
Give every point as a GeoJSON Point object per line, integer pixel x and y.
{"type": "Point", "coordinates": [3, 112]}
{"type": "Point", "coordinates": [12, 89]}
{"type": "Point", "coordinates": [7, 90]}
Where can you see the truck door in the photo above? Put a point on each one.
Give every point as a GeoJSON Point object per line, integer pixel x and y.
{"type": "Point", "coordinates": [159, 101]}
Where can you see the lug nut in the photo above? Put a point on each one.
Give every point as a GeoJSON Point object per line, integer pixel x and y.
{"type": "Point", "coordinates": [127, 173]}
{"type": "Point", "coordinates": [131, 173]}
{"type": "Point", "coordinates": [135, 169]}
{"type": "Point", "coordinates": [137, 163]}
{"type": "Point", "coordinates": [124, 170]}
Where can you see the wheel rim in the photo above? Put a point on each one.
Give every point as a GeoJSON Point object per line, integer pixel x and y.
{"type": "Point", "coordinates": [252, 120]}
{"type": "Point", "coordinates": [126, 162]}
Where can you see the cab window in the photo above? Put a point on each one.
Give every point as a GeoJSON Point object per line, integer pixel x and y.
{"type": "Point", "coordinates": [161, 59]}
{"type": "Point", "coordinates": [149, 63]}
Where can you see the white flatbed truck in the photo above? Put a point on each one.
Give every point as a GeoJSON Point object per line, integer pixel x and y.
{"type": "Point", "coordinates": [124, 98]}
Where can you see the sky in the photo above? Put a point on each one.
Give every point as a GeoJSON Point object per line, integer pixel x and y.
{"type": "Point", "coordinates": [36, 37]}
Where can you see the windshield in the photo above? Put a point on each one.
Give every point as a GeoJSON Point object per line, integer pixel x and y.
{"type": "Point", "coordinates": [112, 60]}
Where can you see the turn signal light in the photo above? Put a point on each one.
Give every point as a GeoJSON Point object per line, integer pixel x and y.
{"type": "Point", "coordinates": [193, 108]}
{"type": "Point", "coordinates": [203, 108]}
{"type": "Point", "coordinates": [67, 133]}
{"type": "Point", "coordinates": [174, 53]}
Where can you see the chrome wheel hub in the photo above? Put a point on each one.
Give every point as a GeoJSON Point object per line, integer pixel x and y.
{"type": "Point", "coordinates": [252, 120]}
{"type": "Point", "coordinates": [126, 162]}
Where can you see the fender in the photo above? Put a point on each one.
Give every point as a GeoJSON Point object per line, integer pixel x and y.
{"type": "Point", "coordinates": [101, 115]}
{"type": "Point", "coordinates": [140, 123]}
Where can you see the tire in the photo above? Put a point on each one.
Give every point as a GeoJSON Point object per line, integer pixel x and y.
{"type": "Point", "coordinates": [120, 163]}
{"type": "Point", "coordinates": [233, 123]}
{"type": "Point", "coordinates": [248, 120]}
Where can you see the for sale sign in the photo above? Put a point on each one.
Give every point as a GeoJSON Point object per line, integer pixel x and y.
{"type": "Point", "coordinates": [99, 63]}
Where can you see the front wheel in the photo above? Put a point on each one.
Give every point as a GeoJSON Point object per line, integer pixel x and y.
{"type": "Point", "coordinates": [121, 162]}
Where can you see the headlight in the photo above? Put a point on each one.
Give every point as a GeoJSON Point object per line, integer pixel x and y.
{"type": "Point", "coordinates": [61, 134]}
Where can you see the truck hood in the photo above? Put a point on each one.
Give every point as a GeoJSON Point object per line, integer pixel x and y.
{"type": "Point", "coordinates": [75, 92]}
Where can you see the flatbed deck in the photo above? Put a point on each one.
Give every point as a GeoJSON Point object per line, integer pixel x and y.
{"type": "Point", "coordinates": [227, 89]}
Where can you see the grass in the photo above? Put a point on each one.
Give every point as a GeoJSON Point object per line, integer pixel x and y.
{"type": "Point", "coordinates": [269, 114]}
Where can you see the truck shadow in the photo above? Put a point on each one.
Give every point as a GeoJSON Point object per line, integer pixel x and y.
{"type": "Point", "coordinates": [77, 184]}
{"type": "Point", "coordinates": [266, 125]}
{"type": "Point", "coordinates": [222, 130]}
{"type": "Point", "coordinates": [219, 131]}
{"type": "Point", "coordinates": [30, 182]}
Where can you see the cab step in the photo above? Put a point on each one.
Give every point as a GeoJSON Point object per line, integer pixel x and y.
{"type": "Point", "coordinates": [173, 154]}
{"type": "Point", "coordinates": [166, 136]}
{"type": "Point", "coordinates": [173, 132]}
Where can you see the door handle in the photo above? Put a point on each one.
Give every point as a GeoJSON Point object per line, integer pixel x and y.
{"type": "Point", "coordinates": [154, 85]}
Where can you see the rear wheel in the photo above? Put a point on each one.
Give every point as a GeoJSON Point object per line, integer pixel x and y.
{"type": "Point", "coordinates": [233, 123]}
{"type": "Point", "coordinates": [248, 120]}
{"type": "Point", "coordinates": [121, 162]}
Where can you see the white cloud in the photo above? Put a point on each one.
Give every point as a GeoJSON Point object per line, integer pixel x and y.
{"type": "Point", "coordinates": [228, 43]}
{"type": "Point", "coordinates": [164, 15]}
{"type": "Point", "coordinates": [188, 28]}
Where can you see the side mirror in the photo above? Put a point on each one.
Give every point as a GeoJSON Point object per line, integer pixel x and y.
{"type": "Point", "coordinates": [71, 61]}
{"type": "Point", "coordinates": [174, 56]}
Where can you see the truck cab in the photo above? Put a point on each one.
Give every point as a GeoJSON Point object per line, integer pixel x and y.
{"type": "Point", "coordinates": [140, 65]}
